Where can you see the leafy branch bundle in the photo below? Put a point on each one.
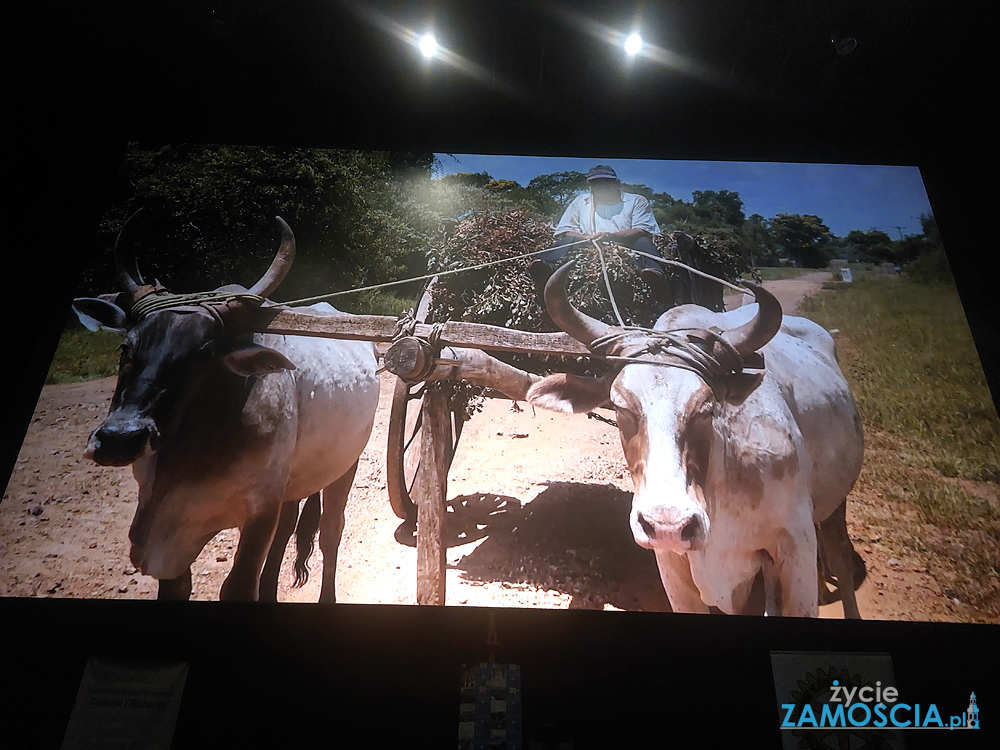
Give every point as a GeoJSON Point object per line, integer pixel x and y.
{"type": "Point", "coordinates": [505, 295]}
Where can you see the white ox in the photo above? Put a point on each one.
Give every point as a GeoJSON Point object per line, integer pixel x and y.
{"type": "Point", "coordinates": [734, 469]}
{"type": "Point", "coordinates": [226, 428]}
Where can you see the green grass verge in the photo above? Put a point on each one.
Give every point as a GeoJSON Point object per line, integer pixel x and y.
{"type": "Point", "coordinates": [777, 273]}
{"type": "Point", "coordinates": [932, 431]}
{"type": "Point", "coordinates": [913, 366]}
{"type": "Point", "coordinates": [84, 355]}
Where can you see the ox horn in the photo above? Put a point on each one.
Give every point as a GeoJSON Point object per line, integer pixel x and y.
{"type": "Point", "coordinates": [752, 335]}
{"type": "Point", "coordinates": [281, 264]}
{"type": "Point", "coordinates": [580, 326]}
{"type": "Point", "coordinates": [129, 278]}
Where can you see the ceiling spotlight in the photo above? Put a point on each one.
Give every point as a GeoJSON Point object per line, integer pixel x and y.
{"type": "Point", "coordinates": [633, 44]}
{"type": "Point", "coordinates": [428, 45]}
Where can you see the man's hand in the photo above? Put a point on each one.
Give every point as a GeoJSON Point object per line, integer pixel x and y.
{"type": "Point", "coordinates": [617, 236]}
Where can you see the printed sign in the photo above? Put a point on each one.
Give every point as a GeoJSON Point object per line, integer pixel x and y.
{"type": "Point", "coordinates": [126, 704]}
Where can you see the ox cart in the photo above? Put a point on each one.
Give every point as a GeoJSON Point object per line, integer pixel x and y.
{"type": "Point", "coordinates": [792, 559]}
{"type": "Point", "coordinates": [424, 424]}
{"type": "Point", "coordinates": [719, 444]}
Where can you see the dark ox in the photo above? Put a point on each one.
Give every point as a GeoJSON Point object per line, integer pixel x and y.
{"type": "Point", "coordinates": [225, 428]}
{"type": "Point", "coordinates": [741, 463]}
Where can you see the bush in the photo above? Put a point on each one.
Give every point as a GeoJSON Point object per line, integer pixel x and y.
{"type": "Point", "coordinates": [930, 268]}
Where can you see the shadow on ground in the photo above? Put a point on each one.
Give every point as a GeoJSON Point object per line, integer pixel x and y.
{"type": "Point", "coordinates": [572, 537]}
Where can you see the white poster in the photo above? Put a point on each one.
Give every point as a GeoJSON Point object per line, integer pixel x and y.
{"type": "Point", "coordinates": [126, 704]}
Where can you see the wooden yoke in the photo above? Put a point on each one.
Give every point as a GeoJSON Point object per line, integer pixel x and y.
{"type": "Point", "coordinates": [382, 328]}
{"type": "Point", "coordinates": [412, 359]}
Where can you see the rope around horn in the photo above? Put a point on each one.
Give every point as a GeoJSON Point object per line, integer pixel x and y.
{"type": "Point", "coordinates": [679, 347]}
{"type": "Point", "coordinates": [154, 302]}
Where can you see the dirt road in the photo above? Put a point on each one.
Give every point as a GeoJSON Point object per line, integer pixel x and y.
{"type": "Point", "coordinates": [539, 503]}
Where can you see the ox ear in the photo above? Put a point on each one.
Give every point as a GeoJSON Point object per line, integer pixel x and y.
{"type": "Point", "coordinates": [98, 313]}
{"type": "Point", "coordinates": [570, 394]}
{"type": "Point", "coordinates": [253, 360]}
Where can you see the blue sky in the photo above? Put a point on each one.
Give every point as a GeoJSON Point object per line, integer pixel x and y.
{"type": "Point", "coordinates": [845, 196]}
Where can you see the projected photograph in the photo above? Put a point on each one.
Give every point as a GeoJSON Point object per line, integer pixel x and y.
{"type": "Point", "coordinates": [403, 378]}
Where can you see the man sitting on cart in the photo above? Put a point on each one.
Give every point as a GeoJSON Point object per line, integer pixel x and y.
{"type": "Point", "coordinates": [605, 213]}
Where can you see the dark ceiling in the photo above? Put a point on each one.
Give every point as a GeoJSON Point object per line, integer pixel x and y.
{"type": "Point", "coordinates": [744, 79]}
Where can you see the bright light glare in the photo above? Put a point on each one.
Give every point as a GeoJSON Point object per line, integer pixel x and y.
{"type": "Point", "coordinates": [428, 45]}
{"type": "Point", "coordinates": [633, 44]}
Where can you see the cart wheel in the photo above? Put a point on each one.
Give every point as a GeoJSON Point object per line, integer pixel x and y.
{"type": "Point", "coordinates": [403, 452]}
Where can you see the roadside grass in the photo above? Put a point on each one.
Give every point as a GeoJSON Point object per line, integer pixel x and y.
{"type": "Point", "coordinates": [777, 273]}
{"type": "Point", "coordinates": [932, 432]}
{"type": "Point", "coordinates": [84, 355]}
{"type": "Point", "coordinates": [375, 302]}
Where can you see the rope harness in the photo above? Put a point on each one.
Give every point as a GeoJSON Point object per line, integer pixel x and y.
{"type": "Point", "coordinates": [159, 299]}
{"type": "Point", "coordinates": [702, 351]}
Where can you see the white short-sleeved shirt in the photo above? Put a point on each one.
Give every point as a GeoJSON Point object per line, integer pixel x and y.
{"type": "Point", "coordinates": [631, 212]}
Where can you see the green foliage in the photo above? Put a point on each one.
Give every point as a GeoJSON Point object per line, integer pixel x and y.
{"type": "Point", "coordinates": [446, 201]}
{"type": "Point", "coordinates": [678, 215]}
{"type": "Point", "coordinates": [557, 190]}
{"type": "Point", "coordinates": [505, 295]}
{"type": "Point", "coordinates": [759, 242]}
{"type": "Point", "coordinates": [500, 295]}
{"type": "Point", "coordinates": [804, 238]}
{"type": "Point", "coordinates": [871, 246]}
{"type": "Point", "coordinates": [644, 190]}
{"type": "Point", "coordinates": [931, 267]}
{"type": "Point", "coordinates": [472, 179]}
{"type": "Point", "coordinates": [379, 301]}
{"type": "Point", "coordinates": [928, 263]}
{"type": "Point", "coordinates": [502, 186]}
{"type": "Point", "coordinates": [719, 206]}
{"type": "Point", "coordinates": [207, 215]}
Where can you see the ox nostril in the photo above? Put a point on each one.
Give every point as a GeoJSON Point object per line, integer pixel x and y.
{"type": "Point", "coordinates": [646, 526]}
{"type": "Point", "coordinates": [116, 443]}
{"type": "Point", "coordinates": [690, 530]}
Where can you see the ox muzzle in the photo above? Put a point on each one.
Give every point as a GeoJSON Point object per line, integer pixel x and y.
{"type": "Point", "coordinates": [666, 528]}
{"type": "Point", "coordinates": [121, 439]}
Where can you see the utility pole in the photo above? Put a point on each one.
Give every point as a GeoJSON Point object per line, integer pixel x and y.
{"type": "Point", "coordinates": [900, 230]}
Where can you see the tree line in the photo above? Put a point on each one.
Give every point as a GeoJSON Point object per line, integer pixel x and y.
{"type": "Point", "coordinates": [797, 239]}
{"type": "Point", "coordinates": [363, 218]}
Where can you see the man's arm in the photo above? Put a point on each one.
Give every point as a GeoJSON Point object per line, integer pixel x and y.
{"type": "Point", "coordinates": [623, 234]}
{"type": "Point", "coordinates": [571, 223]}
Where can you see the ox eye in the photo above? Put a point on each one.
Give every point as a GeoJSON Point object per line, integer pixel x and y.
{"type": "Point", "coordinates": [206, 349]}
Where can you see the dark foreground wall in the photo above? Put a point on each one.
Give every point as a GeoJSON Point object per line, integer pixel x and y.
{"type": "Point", "coordinates": [331, 675]}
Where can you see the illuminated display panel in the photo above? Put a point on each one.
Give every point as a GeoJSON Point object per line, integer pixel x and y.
{"type": "Point", "coordinates": [539, 501]}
